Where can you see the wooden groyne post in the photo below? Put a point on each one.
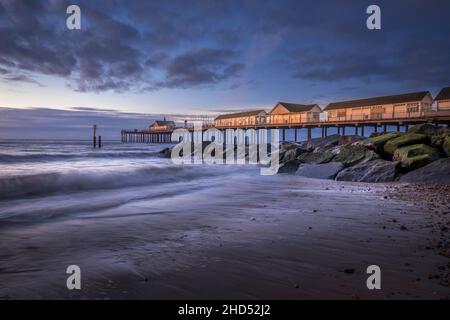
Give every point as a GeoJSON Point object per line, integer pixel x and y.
{"type": "Point", "coordinates": [95, 136]}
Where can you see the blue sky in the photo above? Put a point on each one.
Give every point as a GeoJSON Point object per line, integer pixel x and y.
{"type": "Point", "coordinates": [202, 57]}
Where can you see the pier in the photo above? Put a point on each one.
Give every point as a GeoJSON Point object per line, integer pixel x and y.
{"type": "Point", "coordinates": [142, 136]}
{"type": "Point", "coordinates": [343, 126]}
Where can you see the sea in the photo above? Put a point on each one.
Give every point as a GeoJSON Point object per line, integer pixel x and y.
{"type": "Point", "coordinates": [48, 179]}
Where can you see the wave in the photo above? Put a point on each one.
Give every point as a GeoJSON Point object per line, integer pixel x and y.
{"type": "Point", "coordinates": [24, 158]}
{"type": "Point", "coordinates": [75, 180]}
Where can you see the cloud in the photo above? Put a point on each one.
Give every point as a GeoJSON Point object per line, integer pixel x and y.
{"type": "Point", "coordinates": [118, 48]}
{"type": "Point", "coordinates": [145, 45]}
{"type": "Point", "coordinates": [200, 67]}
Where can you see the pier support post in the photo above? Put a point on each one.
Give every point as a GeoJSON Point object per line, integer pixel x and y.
{"type": "Point", "coordinates": [356, 130]}
{"type": "Point", "coordinates": [362, 130]}
{"type": "Point", "coordinates": [295, 134]}
{"type": "Point", "coordinates": [385, 128]}
{"type": "Point", "coordinates": [343, 130]}
{"type": "Point", "coordinates": [338, 130]}
{"type": "Point", "coordinates": [284, 134]}
{"type": "Point", "coordinates": [398, 127]}
{"type": "Point", "coordinates": [406, 127]}
{"type": "Point", "coordinates": [375, 129]}
{"type": "Point", "coordinates": [99, 142]}
{"type": "Point", "coordinates": [309, 134]}
{"type": "Point", "coordinates": [326, 131]}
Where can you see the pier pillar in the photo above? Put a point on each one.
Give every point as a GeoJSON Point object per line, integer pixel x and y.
{"type": "Point", "coordinates": [309, 134]}
{"type": "Point", "coordinates": [338, 130]}
{"type": "Point", "coordinates": [284, 134]}
{"type": "Point", "coordinates": [343, 130]}
{"type": "Point", "coordinates": [385, 128]}
{"type": "Point", "coordinates": [362, 130]}
{"type": "Point", "coordinates": [398, 127]}
{"type": "Point", "coordinates": [406, 127]}
{"type": "Point", "coordinates": [326, 131]}
{"type": "Point", "coordinates": [375, 129]}
{"type": "Point", "coordinates": [295, 134]}
{"type": "Point", "coordinates": [356, 130]}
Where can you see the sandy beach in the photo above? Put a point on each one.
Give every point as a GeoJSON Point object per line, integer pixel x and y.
{"type": "Point", "coordinates": [278, 237]}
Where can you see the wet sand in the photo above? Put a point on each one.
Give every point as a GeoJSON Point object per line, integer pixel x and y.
{"type": "Point", "coordinates": [279, 237]}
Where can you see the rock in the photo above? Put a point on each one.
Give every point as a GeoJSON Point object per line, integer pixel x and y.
{"type": "Point", "coordinates": [424, 128]}
{"type": "Point", "coordinates": [371, 171]}
{"type": "Point", "coordinates": [316, 157]}
{"type": "Point", "coordinates": [349, 139]}
{"type": "Point", "coordinates": [415, 156]}
{"type": "Point", "coordinates": [287, 145]}
{"type": "Point", "coordinates": [290, 166]}
{"type": "Point", "coordinates": [320, 171]}
{"type": "Point", "coordinates": [438, 139]}
{"type": "Point", "coordinates": [292, 154]}
{"type": "Point", "coordinates": [377, 143]}
{"type": "Point", "coordinates": [446, 146]}
{"type": "Point", "coordinates": [331, 140]}
{"type": "Point", "coordinates": [350, 155]}
{"type": "Point", "coordinates": [166, 152]}
{"type": "Point", "coordinates": [402, 141]}
{"type": "Point", "coordinates": [437, 171]}
{"type": "Point", "coordinates": [349, 271]}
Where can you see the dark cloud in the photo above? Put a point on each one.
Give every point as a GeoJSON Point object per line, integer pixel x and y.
{"type": "Point", "coordinates": [200, 67]}
{"type": "Point", "coordinates": [149, 45]}
{"type": "Point", "coordinates": [119, 48]}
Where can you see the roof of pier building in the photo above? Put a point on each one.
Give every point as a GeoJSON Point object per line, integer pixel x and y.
{"type": "Point", "coordinates": [294, 107]}
{"type": "Point", "coordinates": [399, 98]}
{"type": "Point", "coordinates": [444, 94]}
{"type": "Point", "coordinates": [240, 114]}
{"type": "Point", "coordinates": [163, 123]}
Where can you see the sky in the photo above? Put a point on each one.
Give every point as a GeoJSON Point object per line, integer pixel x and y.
{"type": "Point", "coordinates": [141, 60]}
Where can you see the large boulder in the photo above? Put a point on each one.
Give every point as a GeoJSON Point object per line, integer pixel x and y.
{"type": "Point", "coordinates": [377, 143]}
{"type": "Point", "coordinates": [320, 171]}
{"type": "Point", "coordinates": [331, 140]}
{"type": "Point", "coordinates": [415, 156]}
{"type": "Point", "coordinates": [316, 157]}
{"type": "Point", "coordinates": [290, 166]}
{"type": "Point", "coordinates": [446, 146]}
{"type": "Point", "coordinates": [166, 152]}
{"type": "Point", "coordinates": [287, 145]}
{"type": "Point", "coordinates": [424, 128]}
{"type": "Point", "coordinates": [291, 154]}
{"type": "Point", "coordinates": [437, 171]}
{"type": "Point", "coordinates": [403, 141]}
{"type": "Point", "coordinates": [349, 139]}
{"type": "Point", "coordinates": [438, 138]}
{"type": "Point", "coordinates": [371, 171]}
{"type": "Point", "coordinates": [350, 155]}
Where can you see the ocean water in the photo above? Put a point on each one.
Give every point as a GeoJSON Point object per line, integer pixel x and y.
{"type": "Point", "coordinates": [42, 180]}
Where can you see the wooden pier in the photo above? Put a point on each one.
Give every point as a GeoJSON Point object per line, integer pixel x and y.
{"type": "Point", "coordinates": [141, 136]}
{"type": "Point", "coordinates": [358, 126]}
